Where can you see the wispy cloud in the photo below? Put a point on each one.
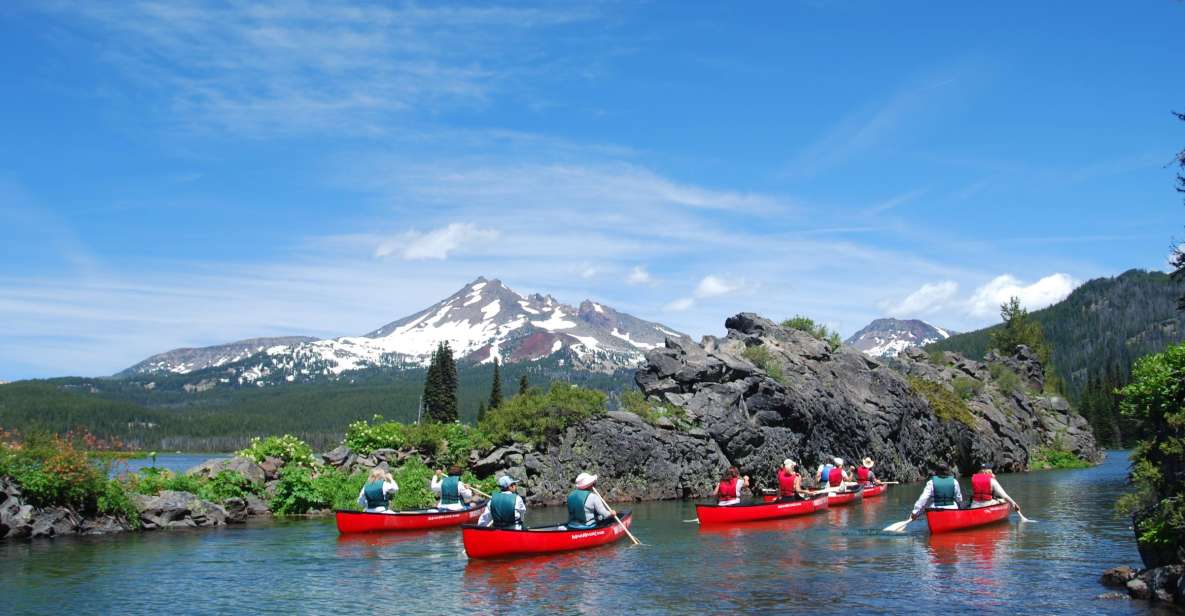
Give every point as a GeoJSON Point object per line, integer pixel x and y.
{"type": "Point", "coordinates": [436, 244]}
{"type": "Point", "coordinates": [638, 275]}
{"type": "Point", "coordinates": [896, 201]}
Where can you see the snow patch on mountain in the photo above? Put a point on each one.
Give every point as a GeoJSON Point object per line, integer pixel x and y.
{"type": "Point", "coordinates": [888, 337]}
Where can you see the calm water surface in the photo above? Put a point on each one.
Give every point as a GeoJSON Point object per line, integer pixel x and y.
{"type": "Point", "coordinates": [832, 562]}
{"type": "Point", "coordinates": [176, 462]}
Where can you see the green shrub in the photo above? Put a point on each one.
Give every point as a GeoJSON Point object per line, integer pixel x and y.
{"type": "Point", "coordinates": [53, 472]}
{"type": "Point", "coordinates": [295, 493]}
{"type": "Point", "coordinates": [288, 448]}
{"type": "Point", "coordinates": [1005, 378]}
{"type": "Point", "coordinates": [536, 416]}
{"type": "Point", "coordinates": [966, 388]}
{"type": "Point", "coordinates": [936, 357]}
{"type": "Point", "coordinates": [1045, 458]}
{"type": "Point", "coordinates": [153, 480]}
{"type": "Point", "coordinates": [337, 490]}
{"type": "Point", "coordinates": [946, 405]}
{"type": "Point", "coordinates": [818, 330]}
{"type": "Point", "coordinates": [446, 444]}
{"type": "Point", "coordinates": [226, 484]}
{"type": "Point", "coordinates": [636, 402]}
{"type": "Point", "coordinates": [760, 356]}
{"type": "Point", "coordinates": [114, 500]}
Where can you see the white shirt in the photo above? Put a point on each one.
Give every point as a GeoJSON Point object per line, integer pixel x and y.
{"type": "Point", "coordinates": [998, 492]}
{"type": "Point", "coordinates": [389, 489]}
{"type": "Point", "coordinates": [462, 489]}
{"type": "Point", "coordinates": [520, 510]}
{"type": "Point", "coordinates": [928, 493]}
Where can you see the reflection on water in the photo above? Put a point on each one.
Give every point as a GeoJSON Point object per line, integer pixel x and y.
{"type": "Point", "coordinates": [835, 561]}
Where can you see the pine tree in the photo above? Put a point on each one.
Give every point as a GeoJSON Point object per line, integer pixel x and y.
{"type": "Point", "coordinates": [1019, 328]}
{"type": "Point", "coordinates": [523, 385]}
{"type": "Point", "coordinates": [449, 413]}
{"type": "Point", "coordinates": [481, 411]}
{"type": "Point", "coordinates": [496, 387]}
{"type": "Point", "coordinates": [440, 386]}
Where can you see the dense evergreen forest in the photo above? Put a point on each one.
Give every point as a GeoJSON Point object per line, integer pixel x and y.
{"type": "Point", "coordinates": [167, 418]}
{"type": "Point", "coordinates": [1095, 335]}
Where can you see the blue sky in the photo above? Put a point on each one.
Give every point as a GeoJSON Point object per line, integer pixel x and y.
{"type": "Point", "coordinates": [188, 173]}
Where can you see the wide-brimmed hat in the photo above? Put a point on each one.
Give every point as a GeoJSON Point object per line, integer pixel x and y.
{"type": "Point", "coordinates": [585, 480]}
{"type": "Point", "coordinates": [867, 462]}
{"type": "Point", "coordinates": [789, 464]}
{"type": "Point", "coordinates": [505, 481]}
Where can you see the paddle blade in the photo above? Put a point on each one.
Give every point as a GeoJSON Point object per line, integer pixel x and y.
{"type": "Point", "coordinates": [897, 527]}
{"type": "Point", "coordinates": [1024, 519]}
{"type": "Point", "coordinates": [695, 520]}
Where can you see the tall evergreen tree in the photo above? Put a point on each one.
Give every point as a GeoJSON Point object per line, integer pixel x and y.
{"type": "Point", "coordinates": [523, 385]}
{"type": "Point", "coordinates": [496, 387]}
{"type": "Point", "coordinates": [481, 411]}
{"type": "Point", "coordinates": [1019, 328]}
{"type": "Point", "coordinates": [440, 385]}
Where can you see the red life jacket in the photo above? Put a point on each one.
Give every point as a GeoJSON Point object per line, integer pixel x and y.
{"type": "Point", "coordinates": [981, 487]}
{"type": "Point", "coordinates": [862, 474]}
{"type": "Point", "coordinates": [727, 490]}
{"type": "Point", "coordinates": [836, 476]}
{"type": "Point", "coordinates": [786, 482]}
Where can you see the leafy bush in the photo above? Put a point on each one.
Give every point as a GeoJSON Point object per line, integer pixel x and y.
{"type": "Point", "coordinates": [226, 484]}
{"type": "Point", "coordinates": [446, 444]}
{"type": "Point", "coordinates": [936, 357]}
{"type": "Point", "coordinates": [288, 448]}
{"type": "Point", "coordinates": [967, 388]}
{"type": "Point", "coordinates": [154, 480]}
{"type": "Point", "coordinates": [818, 330]}
{"type": "Point", "coordinates": [760, 356]}
{"type": "Point", "coordinates": [295, 493]}
{"type": "Point", "coordinates": [946, 405]}
{"type": "Point", "coordinates": [536, 416]}
{"type": "Point", "coordinates": [1045, 458]}
{"type": "Point", "coordinates": [114, 500]}
{"type": "Point", "coordinates": [635, 402]}
{"type": "Point", "coordinates": [53, 472]}
{"type": "Point", "coordinates": [1005, 378]}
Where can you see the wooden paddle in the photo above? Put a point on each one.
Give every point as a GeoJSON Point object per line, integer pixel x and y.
{"type": "Point", "coordinates": [1022, 516]}
{"type": "Point", "coordinates": [619, 522]}
{"type": "Point", "coordinates": [897, 527]}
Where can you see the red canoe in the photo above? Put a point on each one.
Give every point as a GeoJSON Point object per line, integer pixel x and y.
{"type": "Point", "coordinates": [485, 542]}
{"type": "Point", "coordinates": [844, 498]}
{"type": "Point", "coordinates": [362, 522]}
{"type": "Point", "coordinates": [876, 490]}
{"type": "Point", "coordinates": [946, 520]}
{"type": "Point", "coordinates": [716, 514]}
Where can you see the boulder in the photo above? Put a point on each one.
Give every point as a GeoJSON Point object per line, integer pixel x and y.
{"type": "Point", "coordinates": [256, 506]}
{"type": "Point", "coordinates": [248, 467]}
{"type": "Point", "coordinates": [337, 457]}
{"type": "Point", "coordinates": [174, 509]}
{"type": "Point", "coordinates": [1160, 583]}
{"type": "Point", "coordinates": [491, 463]}
{"type": "Point", "coordinates": [1138, 589]}
{"type": "Point", "coordinates": [271, 468]}
{"type": "Point", "coordinates": [1117, 576]}
{"type": "Point", "coordinates": [55, 521]}
{"type": "Point", "coordinates": [104, 525]}
{"type": "Point", "coordinates": [236, 510]}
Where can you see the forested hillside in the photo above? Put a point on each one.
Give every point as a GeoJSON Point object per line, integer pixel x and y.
{"type": "Point", "coordinates": [166, 418]}
{"type": "Point", "coordinates": [1095, 334]}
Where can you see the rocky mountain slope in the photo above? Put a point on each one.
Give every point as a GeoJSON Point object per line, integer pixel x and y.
{"type": "Point", "coordinates": [483, 321]}
{"type": "Point", "coordinates": [764, 393]}
{"type": "Point", "coordinates": [888, 337]}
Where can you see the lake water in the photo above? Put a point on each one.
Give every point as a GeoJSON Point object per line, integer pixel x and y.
{"type": "Point", "coordinates": [176, 462]}
{"type": "Point", "coordinates": [834, 562]}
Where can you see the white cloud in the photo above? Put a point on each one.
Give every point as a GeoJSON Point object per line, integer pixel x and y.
{"type": "Point", "coordinates": [987, 299]}
{"type": "Point", "coordinates": [435, 244]}
{"type": "Point", "coordinates": [679, 305]}
{"type": "Point", "coordinates": [715, 286]}
{"type": "Point", "coordinates": [589, 271]}
{"type": "Point", "coordinates": [928, 299]}
{"type": "Point", "coordinates": [638, 275]}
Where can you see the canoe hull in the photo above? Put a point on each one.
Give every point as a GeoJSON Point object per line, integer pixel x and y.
{"type": "Point", "coordinates": [715, 514]}
{"type": "Point", "coordinates": [350, 522]}
{"type": "Point", "coordinates": [839, 499]}
{"type": "Point", "coordinates": [481, 542]}
{"type": "Point", "coordinates": [873, 491]}
{"type": "Point", "coordinates": [947, 520]}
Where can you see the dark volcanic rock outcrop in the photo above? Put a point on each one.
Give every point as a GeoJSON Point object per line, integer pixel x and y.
{"type": "Point", "coordinates": [810, 402]}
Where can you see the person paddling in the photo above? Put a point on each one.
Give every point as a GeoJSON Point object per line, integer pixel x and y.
{"type": "Point", "coordinates": [451, 492]}
{"type": "Point", "coordinates": [941, 492]}
{"type": "Point", "coordinates": [823, 475]}
{"type": "Point", "coordinates": [789, 483]}
{"type": "Point", "coordinates": [376, 494]}
{"type": "Point", "coordinates": [507, 509]}
{"type": "Point", "coordinates": [986, 491]}
{"type": "Point", "coordinates": [729, 490]}
{"type": "Point", "coordinates": [586, 508]}
{"type": "Point", "coordinates": [835, 477]}
{"type": "Point", "coordinates": [864, 475]}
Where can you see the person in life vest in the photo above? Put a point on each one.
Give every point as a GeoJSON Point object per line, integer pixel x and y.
{"type": "Point", "coordinates": [586, 508]}
{"type": "Point", "coordinates": [822, 476]}
{"type": "Point", "coordinates": [836, 476]}
{"type": "Point", "coordinates": [941, 492]}
{"type": "Point", "coordinates": [729, 490]}
{"type": "Point", "coordinates": [986, 491]}
{"type": "Point", "coordinates": [864, 474]}
{"type": "Point", "coordinates": [789, 483]}
{"type": "Point", "coordinates": [376, 494]}
{"type": "Point", "coordinates": [507, 509]}
{"type": "Point", "coordinates": [451, 493]}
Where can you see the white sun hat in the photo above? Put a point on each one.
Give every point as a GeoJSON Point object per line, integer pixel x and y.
{"type": "Point", "coordinates": [585, 481]}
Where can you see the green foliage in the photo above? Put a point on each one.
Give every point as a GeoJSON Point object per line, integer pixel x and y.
{"type": "Point", "coordinates": [760, 356]}
{"type": "Point", "coordinates": [946, 405]}
{"type": "Point", "coordinates": [536, 416]}
{"type": "Point", "coordinates": [966, 387]}
{"type": "Point", "coordinates": [413, 479]}
{"type": "Point", "coordinates": [446, 444]}
{"type": "Point", "coordinates": [226, 484]}
{"type": "Point", "coordinates": [936, 357]}
{"type": "Point", "coordinates": [818, 330]}
{"type": "Point", "coordinates": [154, 480]}
{"type": "Point", "coordinates": [524, 385]}
{"type": "Point", "coordinates": [301, 490]}
{"type": "Point", "coordinates": [440, 386]}
{"type": "Point", "coordinates": [1005, 378]}
{"type": "Point", "coordinates": [113, 499]}
{"type": "Point", "coordinates": [1018, 328]}
{"type": "Point", "coordinates": [635, 402]}
{"type": "Point", "coordinates": [337, 490]}
{"type": "Point", "coordinates": [53, 472]}
{"type": "Point", "coordinates": [1045, 458]}
{"type": "Point", "coordinates": [288, 448]}
{"type": "Point", "coordinates": [495, 388]}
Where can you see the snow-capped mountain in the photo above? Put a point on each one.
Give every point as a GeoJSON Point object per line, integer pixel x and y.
{"type": "Point", "coordinates": [888, 337]}
{"type": "Point", "coordinates": [485, 320]}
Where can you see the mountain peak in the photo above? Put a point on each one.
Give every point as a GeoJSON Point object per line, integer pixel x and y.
{"type": "Point", "coordinates": [886, 337]}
